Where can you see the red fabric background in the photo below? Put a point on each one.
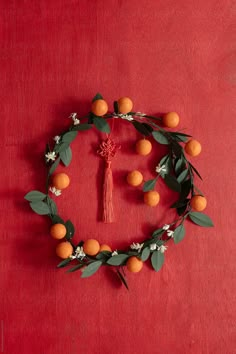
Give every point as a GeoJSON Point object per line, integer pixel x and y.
{"type": "Point", "coordinates": [166, 55]}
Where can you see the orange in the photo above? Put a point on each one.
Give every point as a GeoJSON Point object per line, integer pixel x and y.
{"type": "Point", "coordinates": [143, 147]}
{"type": "Point", "coordinates": [134, 178]}
{"type": "Point", "coordinates": [125, 105]}
{"type": "Point", "coordinates": [105, 248]}
{"type": "Point", "coordinates": [134, 264]}
{"type": "Point", "coordinates": [193, 147]}
{"type": "Point", "coordinates": [91, 247]}
{"type": "Point", "coordinates": [58, 231]}
{"type": "Point", "coordinates": [198, 202]}
{"type": "Point", "coordinates": [151, 198]}
{"type": "Point", "coordinates": [64, 250]}
{"type": "Point", "coordinates": [170, 120]}
{"type": "Point", "coordinates": [99, 107]}
{"type": "Point", "coordinates": [60, 181]}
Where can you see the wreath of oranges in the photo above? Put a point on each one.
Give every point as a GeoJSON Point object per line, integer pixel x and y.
{"type": "Point", "coordinates": [174, 168]}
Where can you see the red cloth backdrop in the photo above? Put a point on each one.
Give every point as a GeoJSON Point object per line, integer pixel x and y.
{"type": "Point", "coordinates": [165, 55]}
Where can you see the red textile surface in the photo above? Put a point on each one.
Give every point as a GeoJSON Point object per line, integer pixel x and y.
{"type": "Point", "coordinates": [166, 55]}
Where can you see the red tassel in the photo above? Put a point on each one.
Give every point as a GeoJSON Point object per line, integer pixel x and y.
{"type": "Point", "coordinates": [108, 150]}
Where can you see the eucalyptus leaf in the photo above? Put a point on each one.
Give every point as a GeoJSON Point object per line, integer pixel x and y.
{"type": "Point", "coordinates": [183, 175]}
{"type": "Point", "coordinates": [91, 269]}
{"type": "Point", "coordinates": [160, 137]}
{"type": "Point", "coordinates": [61, 147]}
{"type": "Point", "coordinates": [149, 185]}
{"type": "Point", "coordinates": [164, 160]}
{"type": "Point", "coordinates": [101, 124]}
{"type": "Point", "coordinates": [122, 278]}
{"type": "Point", "coordinates": [34, 196]}
{"type": "Point", "coordinates": [157, 260]}
{"type": "Point", "coordinates": [172, 183]}
{"type": "Point", "coordinates": [200, 219]}
{"type": "Point", "coordinates": [70, 230]}
{"type": "Point", "coordinates": [56, 219]}
{"type": "Point", "coordinates": [40, 208]}
{"type": "Point", "coordinates": [145, 254]}
{"type": "Point", "coordinates": [81, 127]}
{"type": "Point", "coordinates": [195, 170]}
{"type": "Point", "coordinates": [98, 96]}
{"type": "Point", "coordinates": [176, 148]}
{"type": "Point", "coordinates": [185, 189]}
{"type": "Point", "coordinates": [75, 268]}
{"type": "Point", "coordinates": [179, 165]}
{"type": "Point", "coordinates": [179, 233]}
{"type": "Point", "coordinates": [64, 263]}
{"type": "Point", "coordinates": [158, 232]}
{"type": "Point", "coordinates": [117, 259]}
{"type": "Point", "coordinates": [52, 206]}
{"type": "Point", "coordinates": [180, 203]}
{"type": "Point", "coordinates": [141, 128]}
{"type": "Point", "coordinates": [66, 156]}
{"type": "Point", "coordinates": [54, 166]}
{"type": "Point", "coordinates": [69, 137]}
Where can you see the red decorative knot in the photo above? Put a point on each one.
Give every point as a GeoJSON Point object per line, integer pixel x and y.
{"type": "Point", "coordinates": [107, 150]}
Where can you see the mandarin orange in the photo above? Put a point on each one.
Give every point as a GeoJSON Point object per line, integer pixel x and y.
{"type": "Point", "coordinates": [170, 120]}
{"type": "Point", "coordinates": [134, 264]}
{"type": "Point", "coordinates": [151, 198]}
{"type": "Point", "coordinates": [198, 202]}
{"type": "Point", "coordinates": [125, 105]}
{"type": "Point", "coordinates": [134, 178]}
{"type": "Point", "coordinates": [58, 231]}
{"type": "Point", "coordinates": [91, 247]}
{"type": "Point", "coordinates": [64, 250]}
{"type": "Point", "coordinates": [193, 147]}
{"type": "Point", "coordinates": [60, 181]}
{"type": "Point", "coordinates": [99, 107]}
{"type": "Point", "coordinates": [143, 147]}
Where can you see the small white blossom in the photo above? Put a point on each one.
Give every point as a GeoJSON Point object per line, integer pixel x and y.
{"type": "Point", "coordinates": [162, 248]}
{"type": "Point", "coordinates": [123, 116]}
{"type": "Point", "coordinates": [153, 247]}
{"type": "Point", "coordinates": [73, 116]}
{"type": "Point", "coordinates": [166, 227]}
{"type": "Point", "coordinates": [140, 114]}
{"type": "Point", "coordinates": [79, 253]}
{"type": "Point", "coordinates": [55, 191]}
{"type": "Point", "coordinates": [160, 168]}
{"type": "Point", "coordinates": [72, 256]}
{"type": "Point", "coordinates": [170, 233]}
{"type": "Point", "coordinates": [114, 253]}
{"type": "Point", "coordinates": [50, 156]}
{"type": "Point", "coordinates": [57, 139]}
{"type": "Point", "coordinates": [136, 246]}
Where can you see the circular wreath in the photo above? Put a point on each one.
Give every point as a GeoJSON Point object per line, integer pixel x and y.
{"type": "Point", "coordinates": [175, 169]}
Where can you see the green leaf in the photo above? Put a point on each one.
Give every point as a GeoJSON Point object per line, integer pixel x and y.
{"type": "Point", "coordinates": [66, 156]}
{"type": "Point", "coordinates": [34, 196]}
{"type": "Point", "coordinates": [142, 129]}
{"type": "Point", "coordinates": [118, 259]}
{"type": "Point", "coordinates": [176, 148]}
{"type": "Point", "coordinates": [158, 232]}
{"type": "Point", "coordinates": [185, 189]}
{"type": "Point", "coordinates": [200, 219]}
{"type": "Point", "coordinates": [40, 208]}
{"type": "Point", "coordinates": [149, 185]}
{"type": "Point", "coordinates": [157, 260]}
{"type": "Point", "coordinates": [122, 278]}
{"type": "Point", "coordinates": [145, 254]}
{"type": "Point", "coordinates": [179, 165]}
{"type": "Point", "coordinates": [180, 203]}
{"type": "Point", "coordinates": [116, 107]}
{"type": "Point", "coordinates": [70, 230]}
{"type": "Point", "coordinates": [91, 269]}
{"type": "Point", "coordinates": [172, 183]}
{"type": "Point", "coordinates": [104, 255]}
{"type": "Point", "coordinates": [195, 170]}
{"type": "Point", "coordinates": [61, 147]}
{"type": "Point", "coordinates": [75, 268]}
{"type": "Point", "coordinates": [98, 96]}
{"type": "Point", "coordinates": [54, 166]}
{"type": "Point", "coordinates": [164, 160]}
{"type": "Point", "coordinates": [64, 263]}
{"type": "Point", "coordinates": [181, 210]}
{"type": "Point", "coordinates": [69, 137]}
{"type": "Point", "coordinates": [148, 127]}
{"type": "Point", "coordinates": [52, 206]}
{"type": "Point", "coordinates": [81, 127]}
{"type": "Point", "coordinates": [56, 219]}
{"type": "Point", "coordinates": [101, 124]}
{"type": "Point", "coordinates": [179, 233]}
{"type": "Point", "coordinates": [160, 138]}
{"type": "Point", "coordinates": [180, 136]}
{"type": "Point", "coordinates": [182, 176]}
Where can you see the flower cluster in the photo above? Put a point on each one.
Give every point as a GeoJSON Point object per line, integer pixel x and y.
{"type": "Point", "coordinates": [79, 254]}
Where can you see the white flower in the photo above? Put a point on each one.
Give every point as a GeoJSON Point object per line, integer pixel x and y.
{"type": "Point", "coordinates": [73, 116]}
{"type": "Point", "coordinates": [140, 114]}
{"type": "Point", "coordinates": [153, 247]}
{"type": "Point", "coordinates": [79, 253]}
{"type": "Point", "coordinates": [162, 248]}
{"type": "Point", "coordinates": [72, 256]}
{"type": "Point", "coordinates": [50, 156]}
{"type": "Point", "coordinates": [170, 233]}
{"type": "Point", "coordinates": [57, 139]}
{"type": "Point", "coordinates": [114, 253]}
{"type": "Point", "coordinates": [123, 116]}
{"type": "Point", "coordinates": [166, 227]}
{"type": "Point", "coordinates": [55, 191]}
{"type": "Point", "coordinates": [136, 246]}
{"type": "Point", "coordinates": [160, 168]}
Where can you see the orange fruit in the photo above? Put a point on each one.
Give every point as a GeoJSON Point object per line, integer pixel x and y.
{"type": "Point", "coordinates": [134, 264]}
{"type": "Point", "coordinates": [60, 181]}
{"type": "Point", "coordinates": [143, 147]}
{"type": "Point", "coordinates": [198, 202]}
{"type": "Point", "coordinates": [105, 248]}
{"type": "Point", "coordinates": [99, 107]}
{"type": "Point", "coordinates": [91, 247]}
{"type": "Point", "coordinates": [193, 147]}
{"type": "Point", "coordinates": [134, 178]}
{"type": "Point", "coordinates": [125, 105]}
{"type": "Point", "coordinates": [64, 250]}
{"type": "Point", "coordinates": [151, 198]}
{"type": "Point", "coordinates": [170, 120]}
{"type": "Point", "coordinates": [58, 231]}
